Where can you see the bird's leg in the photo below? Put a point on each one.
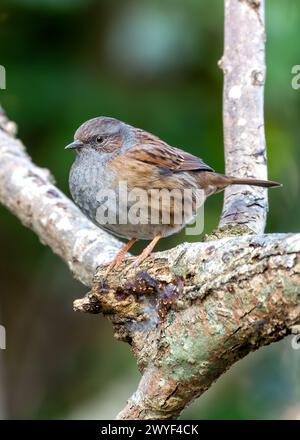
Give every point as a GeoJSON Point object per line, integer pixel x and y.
{"type": "Point", "coordinates": [146, 252]}
{"type": "Point", "coordinates": [119, 257]}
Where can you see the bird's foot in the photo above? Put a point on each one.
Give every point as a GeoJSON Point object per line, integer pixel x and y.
{"type": "Point", "coordinates": [119, 258]}
{"type": "Point", "coordinates": [142, 257]}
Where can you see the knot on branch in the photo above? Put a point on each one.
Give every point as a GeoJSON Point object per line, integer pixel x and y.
{"type": "Point", "coordinates": [257, 78]}
{"type": "Point", "coordinates": [255, 4]}
{"type": "Point", "coordinates": [137, 304]}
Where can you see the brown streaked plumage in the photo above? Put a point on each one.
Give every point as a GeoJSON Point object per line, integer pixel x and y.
{"type": "Point", "coordinates": [110, 151]}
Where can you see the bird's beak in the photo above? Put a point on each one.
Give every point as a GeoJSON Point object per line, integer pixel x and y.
{"type": "Point", "coordinates": [74, 145]}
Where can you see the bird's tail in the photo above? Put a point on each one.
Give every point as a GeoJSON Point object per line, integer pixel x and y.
{"type": "Point", "coordinates": [214, 182]}
{"type": "Point", "coordinates": [253, 182]}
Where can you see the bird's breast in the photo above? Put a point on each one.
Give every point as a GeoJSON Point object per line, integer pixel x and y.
{"type": "Point", "coordinates": [89, 183]}
{"type": "Point", "coordinates": [140, 211]}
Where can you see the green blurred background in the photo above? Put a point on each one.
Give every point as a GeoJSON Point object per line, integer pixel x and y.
{"type": "Point", "coordinates": [152, 63]}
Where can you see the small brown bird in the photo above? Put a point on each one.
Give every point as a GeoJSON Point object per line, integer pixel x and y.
{"type": "Point", "coordinates": [115, 162]}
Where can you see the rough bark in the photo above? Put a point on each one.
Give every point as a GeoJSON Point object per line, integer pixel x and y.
{"type": "Point", "coordinates": [243, 64]}
{"type": "Point", "coordinates": [193, 311]}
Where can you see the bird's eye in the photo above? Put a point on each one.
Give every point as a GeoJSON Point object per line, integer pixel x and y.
{"type": "Point", "coordinates": [99, 139]}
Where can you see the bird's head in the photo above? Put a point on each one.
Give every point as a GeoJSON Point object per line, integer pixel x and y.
{"type": "Point", "coordinates": [102, 134]}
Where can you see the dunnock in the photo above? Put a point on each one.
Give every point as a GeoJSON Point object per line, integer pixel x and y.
{"type": "Point", "coordinates": [110, 152]}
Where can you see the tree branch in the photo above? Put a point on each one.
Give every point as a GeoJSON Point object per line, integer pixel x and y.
{"type": "Point", "coordinates": [193, 311]}
{"type": "Point", "coordinates": [243, 64]}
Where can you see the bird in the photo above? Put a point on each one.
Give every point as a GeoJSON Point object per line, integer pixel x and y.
{"type": "Point", "coordinates": [111, 153]}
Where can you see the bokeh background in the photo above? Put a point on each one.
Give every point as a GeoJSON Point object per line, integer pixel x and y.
{"type": "Point", "coordinates": [152, 63]}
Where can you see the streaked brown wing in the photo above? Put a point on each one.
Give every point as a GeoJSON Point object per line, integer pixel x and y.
{"type": "Point", "coordinates": [162, 155]}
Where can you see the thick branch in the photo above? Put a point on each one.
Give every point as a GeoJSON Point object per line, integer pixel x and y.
{"type": "Point", "coordinates": [243, 64]}
{"type": "Point", "coordinates": [198, 309]}
{"type": "Point", "coordinates": [28, 191]}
